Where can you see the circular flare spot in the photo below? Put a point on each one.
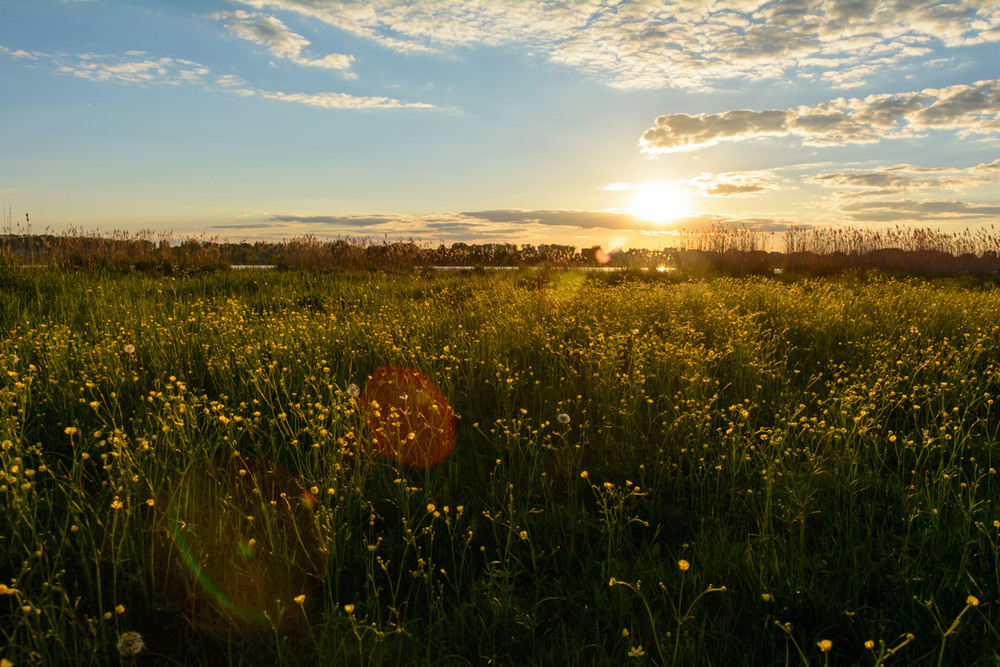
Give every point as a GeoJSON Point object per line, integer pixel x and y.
{"type": "Point", "coordinates": [408, 418]}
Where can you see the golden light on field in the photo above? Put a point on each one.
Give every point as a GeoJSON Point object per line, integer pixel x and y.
{"type": "Point", "coordinates": [659, 203]}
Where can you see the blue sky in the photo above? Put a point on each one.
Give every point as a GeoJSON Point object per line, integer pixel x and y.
{"type": "Point", "coordinates": [585, 122]}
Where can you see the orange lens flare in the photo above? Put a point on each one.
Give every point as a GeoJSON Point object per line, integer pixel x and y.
{"type": "Point", "coordinates": [408, 418]}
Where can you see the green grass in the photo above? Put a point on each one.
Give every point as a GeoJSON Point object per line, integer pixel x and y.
{"type": "Point", "coordinates": [820, 454]}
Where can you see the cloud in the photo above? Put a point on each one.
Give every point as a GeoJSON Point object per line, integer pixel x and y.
{"type": "Point", "coordinates": [343, 101]}
{"type": "Point", "coordinates": [337, 220]}
{"type": "Point", "coordinates": [707, 184]}
{"type": "Point", "coordinates": [579, 228]}
{"type": "Point", "coordinates": [282, 42]}
{"type": "Point", "coordinates": [920, 211]}
{"type": "Point", "coordinates": [259, 225]}
{"type": "Point", "coordinates": [562, 218]}
{"type": "Point", "coordinates": [135, 67]}
{"type": "Point", "coordinates": [905, 178]}
{"type": "Point", "coordinates": [140, 68]}
{"type": "Point", "coordinates": [734, 184]}
{"type": "Point", "coordinates": [681, 44]}
{"type": "Point", "coordinates": [967, 109]}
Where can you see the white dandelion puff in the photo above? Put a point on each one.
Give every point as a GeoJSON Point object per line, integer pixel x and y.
{"type": "Point", "coordinates": [353, 391]}
{"type": "Point", "coordinates": [562, 418]}
{"type": "Point", "coordinates": [130, 644]}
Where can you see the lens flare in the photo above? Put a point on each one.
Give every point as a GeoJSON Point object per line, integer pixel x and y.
{"type": "Point", "coordinates": [408, 418]}
{"type": "Point", "coordinates": [239, 542]}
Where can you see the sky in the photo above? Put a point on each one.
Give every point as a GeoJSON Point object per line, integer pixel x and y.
{"type": "Point", "coordinates": [581, 122]}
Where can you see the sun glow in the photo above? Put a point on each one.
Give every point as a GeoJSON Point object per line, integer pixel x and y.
{"type": "Point", "coordinates": [659, 203]}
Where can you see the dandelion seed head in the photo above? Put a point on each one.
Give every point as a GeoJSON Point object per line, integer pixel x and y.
{"type": "Point", "coordinates": [130, 644]}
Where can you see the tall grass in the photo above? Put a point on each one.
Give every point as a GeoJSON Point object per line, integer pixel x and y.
{"type": "Point", "coordinates": [730, 471]}
{"type": "Point", "coordinates": [719, 249]}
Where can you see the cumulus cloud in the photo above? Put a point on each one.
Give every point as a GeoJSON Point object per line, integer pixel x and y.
{"type": "Point", "coordinates": [282, 42]}
{"type": "Point", "coordinates": [683, 44]}
{"type": "Point", "coordinates": [139, 67]}
{"type": "Point", "coordinates": [967, 109]}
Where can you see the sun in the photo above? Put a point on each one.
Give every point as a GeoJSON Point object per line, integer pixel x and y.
{"type": "Point", "coordinates": [659, 203]}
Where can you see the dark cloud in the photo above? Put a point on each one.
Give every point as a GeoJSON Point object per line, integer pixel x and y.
{"type": "Point", "coordinates": [336, 220]}
{"type": "Point", "coordinates": [256, 225]}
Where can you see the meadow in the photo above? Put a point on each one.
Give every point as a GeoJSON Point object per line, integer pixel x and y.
{"type": "Point", "coordinates": [647, 469]}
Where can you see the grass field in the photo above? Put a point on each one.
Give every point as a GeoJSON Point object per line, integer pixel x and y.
{"type": "Point", "coordinates": [646, 470]}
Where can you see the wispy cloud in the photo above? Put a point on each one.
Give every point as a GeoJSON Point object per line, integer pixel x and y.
{"type": "Point", "coordinates": [967, 109]}
{"type": "Point", "coordinates": [708, 184]}
{"type": "Point", "coordinates": [337, 220]}
{"type": "Point", "coordinates": [681, 44]}
{"type": "Point", "coordinates": [577, 227]}
{"type": "Point", "coordinates": [562, 218]}
{"type": "Point", "coordinates": [937, 210]}
{"type": "Point", "coordinates": [343, 101]}
{"type": "Point", "coordinates": [282, 42]}
{"type": "Point", "coordinates": [141, 68]}
{"type": "Point", "coordinates": [135, 67]}
{"type": "Point", "coordinates": [906, 178]}
{"type": "Point", "coordinates": [734, 184]}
